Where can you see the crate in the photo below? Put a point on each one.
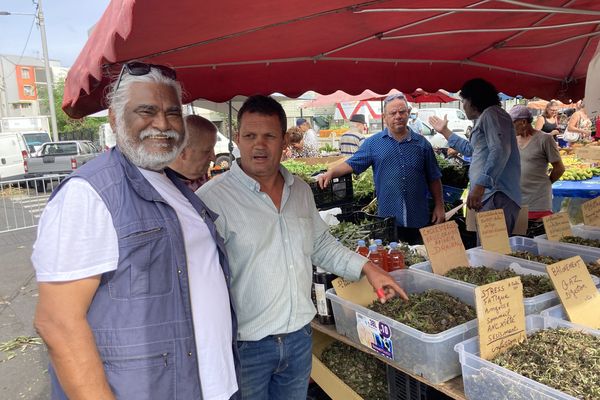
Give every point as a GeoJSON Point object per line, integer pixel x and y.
{"type": "Point", "coordinates": [338, 192]}
{"type": "Point", "coordinates": [452, 194]}
{"type": "Point", "coordinates": [402, 386]}
{"type": "Point", "coordinates": [428, 355]}
{"type": "Point", "coordinates": [383, 228]}
{"type": "Point", "coordinates": [485, 380]}
{"type": "Point", "coordinates": [520, 243]}
{"type": "Point", "coordinates": [533, 305]}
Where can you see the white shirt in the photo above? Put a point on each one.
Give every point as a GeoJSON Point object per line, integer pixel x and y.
{"type": "Point", "coordinates": [310, 138]}
{"type": "Point", "coordinates": [90, 223]}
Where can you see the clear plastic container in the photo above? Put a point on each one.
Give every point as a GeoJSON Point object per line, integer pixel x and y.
{"type": "Point", "coordinates": [428, 355]}
{"type": "Point", "coordinates": [520, 243]}
{"type": "Point", "coordinates": [555, 249]}
{"type": "Point", "coordinates": [586, 231]}
{"type": "Point", "coordinates": [558, 312]}
{"type": "Point", "coordinates": [533, 305]}
{"type": "Point", "coordinates": [485, 380]}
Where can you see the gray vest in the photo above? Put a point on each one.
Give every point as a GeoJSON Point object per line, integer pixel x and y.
{"type": "Point", "coordinates": [141, 313]}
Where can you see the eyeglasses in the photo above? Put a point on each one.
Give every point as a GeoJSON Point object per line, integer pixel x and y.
{"type": "Point", "coordinates": [137, 68]}
{"type": "Point", "coordinates": [393, 97]}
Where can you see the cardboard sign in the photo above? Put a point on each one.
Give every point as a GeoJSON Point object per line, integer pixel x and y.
{"type": "Point", "coordinates": [444, 246]}
{"type": "Point", "coordinates": [493, 234]}
{"type": "Point", "coordinates": [557, 225]}
{"type": "Point", "coordinates": [591, 212]}
{"type": "Point", "coordinates": [591, 153]}
{"type": "Point", "coordinates": [359, 292]}
{"type": "Point", "coordinates": [501, 316]}
{"type": "Point", "coordinates": [576, 291]}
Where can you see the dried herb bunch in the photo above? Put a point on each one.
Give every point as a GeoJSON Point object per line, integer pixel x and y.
{"type": "Point", "coordinates": [567, 360]}
{"type": "Point", "coordinates": [580, 240]}
{"type": "Point", "coordinates": [533, 285]}
{"type": "Point", "coordinates": [364, 373]}
{"type": "Point", "coordinates": [593, 267]}
{"type": "Point", "coordinates": [431, 311]}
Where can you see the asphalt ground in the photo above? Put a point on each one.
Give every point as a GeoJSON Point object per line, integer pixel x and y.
{"type": "Point", "coordinates": [23, 370]}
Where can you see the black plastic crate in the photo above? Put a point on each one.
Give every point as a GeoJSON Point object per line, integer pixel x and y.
{"type": "Point", "coordinates": [383, 228]}
{"type": "Point", "coordinates": [404, 387]}
{"type": "Point", "coordinates": [339, 191]}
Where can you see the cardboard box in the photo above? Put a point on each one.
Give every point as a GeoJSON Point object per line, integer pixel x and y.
{"type": "Point", "coordinates": [591, 153]}
{"type": "Point", "coordinates": [327, 380]}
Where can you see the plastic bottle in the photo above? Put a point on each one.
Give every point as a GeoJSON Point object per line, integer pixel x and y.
{"type": "Point", "coordinates": [383, 252]}
{"type": "Point", "coordinates": [395, 258]}
{"type": "Point", "coordinates": [362, 248]}
{"type": "Point", "coordinates": [375, 256]}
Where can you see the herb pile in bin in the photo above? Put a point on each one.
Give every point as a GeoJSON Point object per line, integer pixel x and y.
{"type": "Point", "coordinates": [593, 267]}
{"type": "Point", "coordinates": [302, 170]}
{"type": "Point", "coordinates": [564, 359]}
{"type": "Point", "coordinates": [581, 241]}
{"type": "Point", "coordinates": [431, 311]}
{"type": "Point", "coordinates": [365, 374]}
{"type": "Point", "coordinates": [533, 285]}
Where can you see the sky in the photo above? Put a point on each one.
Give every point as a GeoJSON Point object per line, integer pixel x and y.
{"type": "Point", "coordinates": [67, 23]}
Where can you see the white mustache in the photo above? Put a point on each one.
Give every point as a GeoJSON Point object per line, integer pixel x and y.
{"type": "Point", "coordinates": [151, 132]}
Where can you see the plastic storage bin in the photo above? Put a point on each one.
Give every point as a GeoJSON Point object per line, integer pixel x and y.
{"type": "Point", "coordinates": [533, 305]}
{"type": "Point", "coordinates": [557, 312]}
{"type": "Point", "coordinates": [337, 193]}
{"type": "Point", "coordinates": [428, 355]}
{"type": "Point", "coordinates": [520, 243]}
{"type": "Point", "coordinates": [485, 380]}
{"type": "Point", "coordinates": [555, 249]}
{"type": "Point", "coordinates": [586, 231]}
{"type": "Point", "coordinates": [379, 227]}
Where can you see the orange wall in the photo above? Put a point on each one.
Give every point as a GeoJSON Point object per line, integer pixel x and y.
{"type": "Point", "coordinates": [21, 82]}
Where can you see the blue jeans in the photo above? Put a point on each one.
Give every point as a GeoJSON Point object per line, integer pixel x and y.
{"type": "Point", "coordinates": [276, 367]}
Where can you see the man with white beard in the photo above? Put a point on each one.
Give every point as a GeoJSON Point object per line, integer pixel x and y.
{"type": "Point", "coordinates": [133, 278]}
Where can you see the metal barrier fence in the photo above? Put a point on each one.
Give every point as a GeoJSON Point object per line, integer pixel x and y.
{"type": "Point", "coordinates": [22, 201]}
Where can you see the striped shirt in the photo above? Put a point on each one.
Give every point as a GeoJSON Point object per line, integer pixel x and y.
{"type": "Point", "coordinates": [350, 141]}
{"type": "Point", "coordinates": [271, 252]}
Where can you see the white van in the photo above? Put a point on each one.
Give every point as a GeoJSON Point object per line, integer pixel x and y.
{"type": "Point", "coordinates": [457, 119]}
{"type": "Point", "coordinates": [13, 151]}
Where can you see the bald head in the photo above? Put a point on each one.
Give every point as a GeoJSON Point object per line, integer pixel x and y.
{"type": "Point", "coordinates": [195, 158]}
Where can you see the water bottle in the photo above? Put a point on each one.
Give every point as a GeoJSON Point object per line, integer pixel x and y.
{"type": "Point", "coordinates": [322, 282]}
{"type": "Point", "coordinates": [395, 258]}
{"type": "Point", "coordinates": [362, 248]}
{"type": "Point", "coordinates": [384, 254]}
{"type": "Point", "coordinates": [375, 256]}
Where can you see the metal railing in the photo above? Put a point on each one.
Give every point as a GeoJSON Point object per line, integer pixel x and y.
{"type": "Point", "coordinates": [22, 201]}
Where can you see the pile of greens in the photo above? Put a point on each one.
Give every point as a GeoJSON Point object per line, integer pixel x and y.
{"type": "Point", "coordinates": [580, 240]}
{"type": "Point", "coordinates": [431, 311]}
{"type": "Point", "coordinates": [593, 267]}
{"type": "Point", "coordinates": [564, 359]}
{"type": "Point", "coordinates": [453, 174]}
{"type": "Point", "coordinates": [363, 186]}
{"type": "Point", "coordinates": [533, 285]}
{"type": "Point", "coordinates": [302, 170]}
{"type": "Point", "coordinates": [365, 374]}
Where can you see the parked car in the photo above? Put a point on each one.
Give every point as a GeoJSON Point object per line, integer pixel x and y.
{"type": "Point", "coordinates": [457, 119]}
{"type": "Point", "coordinates": [223, 158]}
{"type": "Point", "coordinates": [437, 140]}
{"type": "Point", "coordinates": [59, 158]}
{"type": "Point", "coordinates": [13, 152]}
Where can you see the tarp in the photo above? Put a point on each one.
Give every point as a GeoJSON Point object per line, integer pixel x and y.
{"type": "Point", "coordinates": [225, 48]}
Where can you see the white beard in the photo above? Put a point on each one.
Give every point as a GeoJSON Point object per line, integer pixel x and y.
{"type": "Point", "coordinates": [137, 154]}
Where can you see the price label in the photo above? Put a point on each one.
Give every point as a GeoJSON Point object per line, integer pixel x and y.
{"type": "Point", "coordinates": [491, 227]}
{"type": "Point", "coordinates": [576, 291]}
{"type": "Point", "coordinates": [557, 225]}
{"type": "Point", "coordinates": [591, 212]}
{"type": "Point", "coordinates": [444, 246]}
{"type": "Point", "coordinates": [359, 292]}
{"type": "Point", "coordinates": [501, 316]}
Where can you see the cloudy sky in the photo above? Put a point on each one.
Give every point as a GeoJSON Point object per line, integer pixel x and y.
{"type": "Point", "coordinates": [67, 24]}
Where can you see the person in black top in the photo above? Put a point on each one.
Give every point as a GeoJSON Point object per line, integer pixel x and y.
{"type": "Point", "coordinates": [548, 121]}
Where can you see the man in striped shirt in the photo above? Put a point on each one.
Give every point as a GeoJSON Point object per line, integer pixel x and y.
{"type": "Point", "coordinates": [353, 137]}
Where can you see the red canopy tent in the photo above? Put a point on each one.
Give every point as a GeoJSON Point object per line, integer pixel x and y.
{"type": "Point", "coordinates": [225, 48]}
{"type": "Point", "coordinates": [418, 96]}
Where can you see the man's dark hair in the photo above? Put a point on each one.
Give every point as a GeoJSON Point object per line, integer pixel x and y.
{"type": "Point", "coordinates": [264, 105]}
{"type": "Point", "coordinates": [481, 93]}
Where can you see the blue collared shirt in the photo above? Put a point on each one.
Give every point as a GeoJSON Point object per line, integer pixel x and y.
{"type": "Point", "coordinates": [271, 251]}
{"type": "Point", "coordinates": [495, 163]}
{"type": "Point", "coordinates": [402, 171]}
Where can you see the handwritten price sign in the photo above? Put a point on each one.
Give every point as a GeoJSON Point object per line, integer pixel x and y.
{"type": "Point", "coordinates": [444, 247]}
{"type": "Point", "coordinates": [501, 316]}
{"type": "Point", "coordinates": [491, 227]}
{"type": "Point", "coordinates": [591, 212]}
{"type": "Point", "coordinates": [576, 291]}
{"type": "Point", "coordinates": [557, 225]}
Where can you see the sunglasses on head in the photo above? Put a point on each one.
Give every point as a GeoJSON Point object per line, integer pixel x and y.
{"type": "Point", "coordinates": [137, 68]}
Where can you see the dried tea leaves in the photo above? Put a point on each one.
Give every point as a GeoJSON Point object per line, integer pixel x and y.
{"type": "Point", "coordinates": [533, 285]}
{"type": "Point", "coordinates": [365, 374]}
{"type": "Point", "coordinates": [431, 311]}
{"type": "Point", "coordinates": [593, 267]}
{"type": "Point", "coordinates": [567, 360]}
{"type": "Point", "coordinates": [580, 240]}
